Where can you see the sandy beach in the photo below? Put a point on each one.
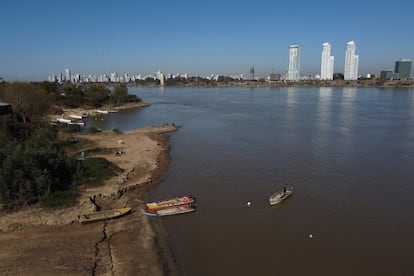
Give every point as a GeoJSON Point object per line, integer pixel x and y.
{"type": "Point", "coordinates": [40, 242]}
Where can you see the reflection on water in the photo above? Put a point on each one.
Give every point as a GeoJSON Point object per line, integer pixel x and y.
{"type": "Point", "coordinates": [291, 104]}
{"type": "Point", "coordinates": [324, 106]}
{"type": "Point", "coordinates": [347, 152]}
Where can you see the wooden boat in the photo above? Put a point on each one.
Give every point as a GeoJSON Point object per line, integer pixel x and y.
{"type": "Point", "coordinates": [74, 116]}
{"type": "Point", "coordinates": [278, 197]}
{"type": "Point", "coordinates": [65, 121]}
{"type": "Point", "coordinates": [103, 215]}
{"type": "Point", "coordinates": [77, 123]}
{"type": "Point", "coordinates": [176, 210]}
{"type": "Point", "coordinates": [166, 203]}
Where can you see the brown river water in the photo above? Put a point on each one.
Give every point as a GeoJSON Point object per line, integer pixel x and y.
{"type": "Point", "coordinates": [348, 153]}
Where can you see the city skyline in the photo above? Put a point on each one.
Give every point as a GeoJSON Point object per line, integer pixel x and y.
{"type": "Point", "coordinates": [219, 37]}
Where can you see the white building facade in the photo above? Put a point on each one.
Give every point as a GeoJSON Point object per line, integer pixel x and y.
{"type": "Point", "coordinates": [294, 63]}
{"type": "Point", "coordinates": [327, 63]}
{"type": "Point", "coordinates": [351, 62]}
{"type": "Point", "coordinates": [67, 75]}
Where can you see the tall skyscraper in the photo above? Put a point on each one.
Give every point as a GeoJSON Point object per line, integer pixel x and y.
{"type": "Point", "coordinates": [327, 64]}
{"type": "Point", "coordinates": [294, 63]}
{"type": "Point", "coordinates": [67, 75]}
{"type": "Point", "coordinates": [351, 62]}
{"type": "Point", "coordinates": [403, 68]}
{"type": "Point", "coordinates": [114, 77]}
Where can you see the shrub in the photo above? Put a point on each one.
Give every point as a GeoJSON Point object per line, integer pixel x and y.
{"type": "Point", "coordinates": [93, 130]}
{"type": "Point", "coordinates": [58, 199]}
{"type": "Point", "coordinates": [92, 171]}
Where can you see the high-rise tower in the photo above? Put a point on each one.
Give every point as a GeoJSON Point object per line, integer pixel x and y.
{"type": "Point", "coordinates": [294, 63]}
{"type": "Point", "coordinates": [252, 72]}
{"type": "Point", "coordinates": [351, 62]}
{"type": "Point", "coordinates": [327, 63]}
{"type": "Point", "coordinates": [67, 74]}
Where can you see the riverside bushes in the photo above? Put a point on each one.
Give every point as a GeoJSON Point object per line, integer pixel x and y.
{"type": "Point", "coordinates": [32, 167]}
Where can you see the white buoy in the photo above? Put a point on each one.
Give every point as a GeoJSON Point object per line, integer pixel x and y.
{"type": "Point", "coordinates": [310, 236]}
{"type": "Point", "coordinates": [248, 203]}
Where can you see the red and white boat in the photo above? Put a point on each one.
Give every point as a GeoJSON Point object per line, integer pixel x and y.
{"type": "Point", "coordinates": [166, 203]}
{"type": "Point", "coordinates": [176, 210]}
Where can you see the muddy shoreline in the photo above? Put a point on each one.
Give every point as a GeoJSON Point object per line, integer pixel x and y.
{"type": "Point", "coordinates": [36, 241]}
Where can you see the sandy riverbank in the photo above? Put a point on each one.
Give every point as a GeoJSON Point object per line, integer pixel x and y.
{"type": "Point", "coordinates": [36, 241]}
{"type": "Point", "coordinates": [65, 113]}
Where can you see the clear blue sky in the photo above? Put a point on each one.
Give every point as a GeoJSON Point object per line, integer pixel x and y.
{"type": "Point", "coordinates": [42, 37]}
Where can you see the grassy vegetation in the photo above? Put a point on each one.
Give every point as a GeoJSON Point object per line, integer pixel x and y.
{"type": "Point", "coordinates": [94, 170]}
{"type": "Point", "coordinates": [60, 199]}
{"type": "Point", "coordinates": [93, 130]}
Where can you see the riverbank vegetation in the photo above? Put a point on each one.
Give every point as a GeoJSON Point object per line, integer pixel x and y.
{"type": "Point", "coordinates": [34, 168]}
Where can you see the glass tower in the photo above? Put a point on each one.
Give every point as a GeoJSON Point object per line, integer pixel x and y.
{"type": "Point", "coordinates": [403, 68]}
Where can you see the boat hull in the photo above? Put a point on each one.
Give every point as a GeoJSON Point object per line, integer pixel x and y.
{"type": "Point", "coordinates": [280, 196]}
{"type": "Point", "coordinates": [103, 215]}
{"type": "Point", "coordinates": [176, 210]}
{"type": "Point", "coordinates": [167, 203]}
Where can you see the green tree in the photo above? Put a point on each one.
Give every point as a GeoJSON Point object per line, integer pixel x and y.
{"type": "Point", "coordinates": [49, 87]}
{"type": "Point", "coordinates": [33, 169]}
{"type": "Point", "coordinates": [97, 95]}
{"type": "Point", "coordinates": [29, 102]}
{"type": "Point", "coordinates": [120, 94]}
{"type": "Point", "coordinates": [71, 96]}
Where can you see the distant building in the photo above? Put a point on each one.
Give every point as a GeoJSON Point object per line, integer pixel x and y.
{"type": "Point", "coordinates": [389, 75]}
{"type": "Point", "coordinates": [351, 62]}
{"type": "Point", "coordinates": [252, 73]}
{"type": "Point", "coordinates": [403, 68]}
{"type": "Point", "coordinates": [52, 78]}
{"type": "Point", "coordinates": [160, 76]}
{"type": "Point", "coordinates": [67, 75]}
{"type": "Point", "coordinates": [274, 77]}
{"type": "Point", "coordinates": [327, 63]}
{"type": "Point", "coordinates": [294, 63]}
{"type": "Point", "coordinates": [114, 77]}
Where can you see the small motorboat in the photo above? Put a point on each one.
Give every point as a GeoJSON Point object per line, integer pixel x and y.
{"type": "Point", "coordinates": [176, 210]}
{"type": "Point", "coordinates": [171, 202]}
{"type": "Point", "coordinates": [278, 197]}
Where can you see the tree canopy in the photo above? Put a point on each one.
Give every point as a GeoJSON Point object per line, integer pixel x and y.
{"type": "Point", "coordinates": [29, 102]}
{"type": "Point", "coordinates": [33, 165]}
{"type": "Point", "coordinates": [33, 168]}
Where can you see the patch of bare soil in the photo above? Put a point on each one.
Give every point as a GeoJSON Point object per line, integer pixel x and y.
{"type": "Point", "coordinates": [39, 242]}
